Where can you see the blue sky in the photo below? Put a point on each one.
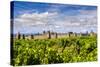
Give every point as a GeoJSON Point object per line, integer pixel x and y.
{"type": "Point", "coordinates": [34, 17]}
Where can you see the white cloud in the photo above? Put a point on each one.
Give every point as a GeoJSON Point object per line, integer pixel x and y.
{"type": "Point", "coordinates": [54, 20]}
{"type": "Point", "coordinates": [34, 18]}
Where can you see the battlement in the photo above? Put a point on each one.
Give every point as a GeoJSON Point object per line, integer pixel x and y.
{"type": "Point", "coordinates": [49, 35]}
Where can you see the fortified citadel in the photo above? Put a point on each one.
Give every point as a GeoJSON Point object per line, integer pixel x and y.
{"type": "Point", "coordinates": [49, 35]}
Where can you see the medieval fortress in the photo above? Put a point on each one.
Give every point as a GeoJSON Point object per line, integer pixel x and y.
{"type": "Point", "coordinates": [50, 35]}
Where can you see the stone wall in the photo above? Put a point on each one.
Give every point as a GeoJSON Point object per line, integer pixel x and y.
{"type": "Point", "coordinates": [49, 35]}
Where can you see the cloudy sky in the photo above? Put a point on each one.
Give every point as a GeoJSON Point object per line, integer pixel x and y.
{"type": "Point", "coordinates": [34, 17]}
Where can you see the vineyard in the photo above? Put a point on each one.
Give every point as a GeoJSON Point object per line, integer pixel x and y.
{"type": "Point", "coordinates": [51, 51]}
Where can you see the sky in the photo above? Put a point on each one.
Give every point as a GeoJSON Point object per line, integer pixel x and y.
{"type": "Point", "coordinates": [34, 17]}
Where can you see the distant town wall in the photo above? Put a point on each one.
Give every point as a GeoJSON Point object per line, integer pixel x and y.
{"type": "Point", "coordinates": [49, 35]}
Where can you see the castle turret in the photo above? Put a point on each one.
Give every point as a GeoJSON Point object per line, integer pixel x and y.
{"type": "Point", "coordinates": [49, 35]}
{"type": "Point", "coordinates": [32, 36]}
{"type": "Point", "coordinates": [18, 36]}
{"type": "Point", "coordinates": [56, 35]}
{"type": "Point", "coordinates": [92, 33]}
{"type": "Point", "coordinates": [23, 36]}
{"type": "Point", "coordinates": [80, 34]}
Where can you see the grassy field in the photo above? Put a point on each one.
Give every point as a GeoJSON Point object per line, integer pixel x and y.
{"type": "Point", "coordinates": [51, 51]}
